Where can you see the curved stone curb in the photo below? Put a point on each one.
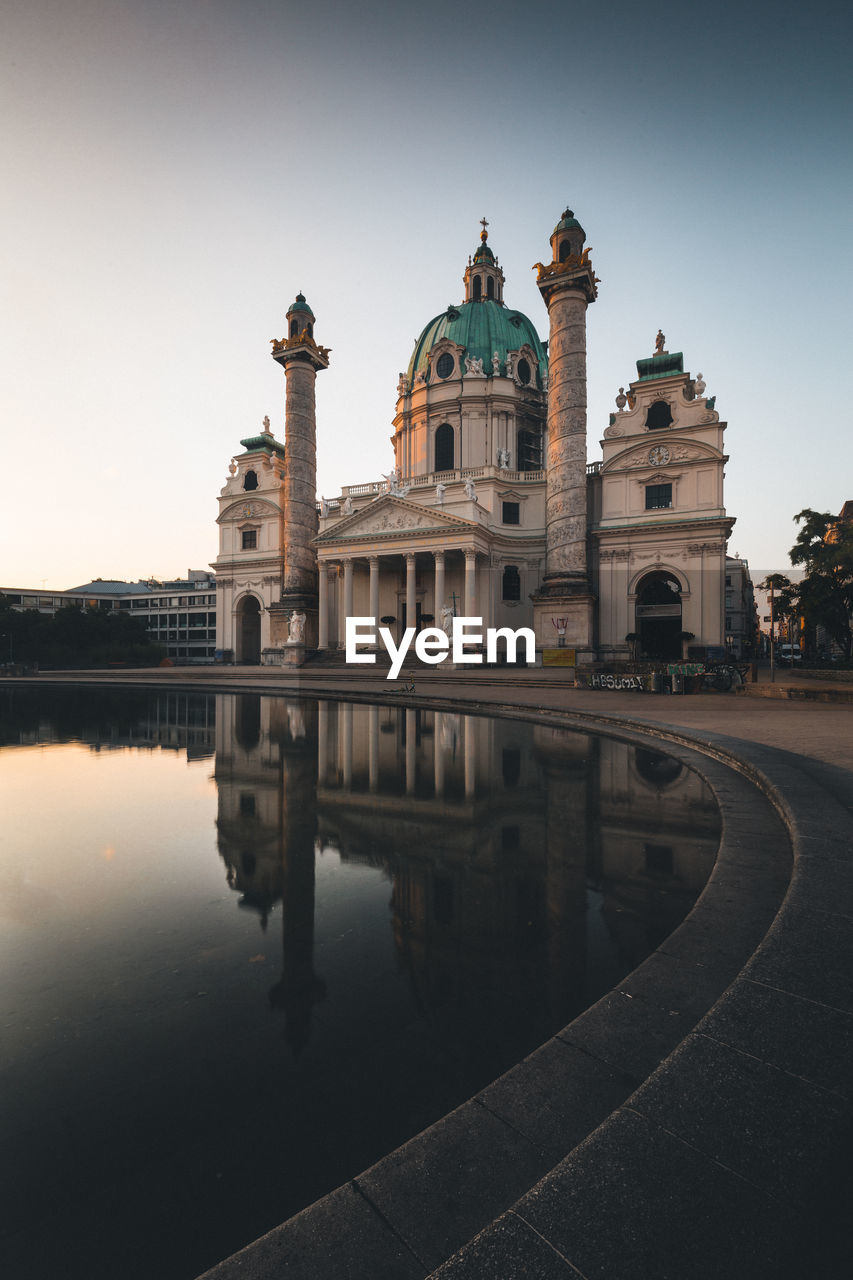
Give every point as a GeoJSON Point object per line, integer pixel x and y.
{"type": "Point", "coordinates": [612, 1093]}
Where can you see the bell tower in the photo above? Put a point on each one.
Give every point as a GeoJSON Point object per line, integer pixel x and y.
{"type": "Point", "coordinates": [568, 285]}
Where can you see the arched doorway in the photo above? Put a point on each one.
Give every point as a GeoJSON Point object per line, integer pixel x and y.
{"type": "Point", "coordinates": [249, 631]}
{"type": "Point", "coordinates": [659, 616]}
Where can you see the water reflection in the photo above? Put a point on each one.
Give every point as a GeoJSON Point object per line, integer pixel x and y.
{"type": "Point", "coordinates": [530, 867]}
{"type": "Point", "coordinates": [221, 998]}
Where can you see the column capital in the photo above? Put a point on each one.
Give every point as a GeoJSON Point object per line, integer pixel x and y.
{"type": "Point", "coordinates": [470, 554]}
{"type": "Point", "coordinates": [410, 558]}
{"type": "Point", "coordinates": [439, 557]}
{"type": "Point", "coordinates": [373, 560]}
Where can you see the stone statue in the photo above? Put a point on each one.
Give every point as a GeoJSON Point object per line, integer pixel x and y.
{"type": "Point", "coordinates": [403, 490]}
{"type": "Point", "coordinates": [470, 491]}
{"type": "Point", "coordinates": [440, 490]}
{"type": "Point", "coordinates": [659, 341]}
{"type": "Point", "coordinates": [699, 385]}
{"type": "Point", "coordinates": [324, 507]}
{"type": "Point", "coordinates": [297, 628]}
{"type": "Point", "coordinates": [402, 385]}
{"type": "Point", "coordinates": [621, 399]}
{"type": "Point", "coordinates": [447, 620]}
{"type": "Point", "coordinates": [420, 378]}
{"type": "Point", "coordinates": [392, 480]}
{"type": "Point", "coordinates": [232, 468]}
{"type": "Point", "coordinates": [348, 505]}
{"type": "Point", "coordinates": [503, 459]}
{"type": "Point", "coordinates": [266, 425]}
{"type": "Point", "coordinates": [496, 365]}
{"type": "Point", "coordinates": [508, 366]}
{"type": "Point", "coordinates": [474, 367]}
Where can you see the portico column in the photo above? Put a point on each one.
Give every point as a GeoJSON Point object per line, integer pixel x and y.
{"type": "Point", "coordinates": [438, 753]}
{"type": "Point", "coordinates": [411, 749]}
{"type": "Point", "coordinates": [322, 740]}
{"type": "Point", "coordinates": [410, 589]}
{"type": "Point", "coordinates": [373, 608]}
{"type": "Point", "coordinates": [346, 736]}
{"type": "Point", "coordinates": [439, 586]}
{"type": "Point", "coordinates": [470, 584]}
{"type": "Point", "coordinates": [347, 597]}
{"type": "Point", "coordinates": [323, 608]}
{"type": "Point", "coordinates": [372, 747]}
{"type": "Point", "coordinates": [470, 759]}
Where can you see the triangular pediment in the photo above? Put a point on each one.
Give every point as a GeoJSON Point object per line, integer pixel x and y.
{"type": "Point", "coordinates": [390, 516]}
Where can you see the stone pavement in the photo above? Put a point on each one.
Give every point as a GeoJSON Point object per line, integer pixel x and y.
{"type": "Point", "coordinates": [696, 1122]}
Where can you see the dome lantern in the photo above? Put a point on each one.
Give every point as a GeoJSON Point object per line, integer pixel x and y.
{"type": "Point", "coordinates": [484, 280]}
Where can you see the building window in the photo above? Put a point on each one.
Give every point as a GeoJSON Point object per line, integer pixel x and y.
{"type": "Point", "coordinates": [249, 539]}
{"type": "Point", "coordinates": [250, 480]}
{"type": "Point", "coordinates": [658, 496]}
{"type": "Point", "coordinates": [523, 371]}
{"type": "Point", "coordinates": [529, 449]}
{"type": "Point", "coordinates": [444, 447]}
{"type": "Point", "coordinates": [490, 287]}
{"type": "Point", "coordinates": [511, 512]}
{"type": "Point", "coordinates": [565, 250]}
{"type": "Point", "coordinates": [511, 585]}
{"type": "Point", "coordinates": [445, 365]}
{"type": "Point", "coordinates": [659, 416]}
{"type": "Point", "coordinates": [728, 623]}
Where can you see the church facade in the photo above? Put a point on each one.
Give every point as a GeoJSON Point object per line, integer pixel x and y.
{"type": "Point", "coordinates": [489, 508]}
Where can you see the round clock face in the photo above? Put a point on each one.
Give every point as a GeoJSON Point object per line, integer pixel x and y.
{"type": "Point", "coordinates": [659, 455]}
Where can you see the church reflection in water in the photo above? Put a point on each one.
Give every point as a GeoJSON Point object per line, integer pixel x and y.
{"type": "Point", "coordinates": [530, 868]}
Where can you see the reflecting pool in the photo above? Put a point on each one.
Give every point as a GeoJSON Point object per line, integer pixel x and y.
{"type": "Point", "coordinates": [250, 944]}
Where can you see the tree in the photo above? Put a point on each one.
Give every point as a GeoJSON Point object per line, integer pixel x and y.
{"type": "Point", "coordinates": [782, 596]}
{"type": "Point", "coordinates": [824, 547]}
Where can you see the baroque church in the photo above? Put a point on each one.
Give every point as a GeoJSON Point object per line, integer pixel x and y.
{"type": "Point", "coordinates": [489, 508]}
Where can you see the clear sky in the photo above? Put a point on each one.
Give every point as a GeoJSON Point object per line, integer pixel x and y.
{"type": "Point", "coordinates": [175, 170]}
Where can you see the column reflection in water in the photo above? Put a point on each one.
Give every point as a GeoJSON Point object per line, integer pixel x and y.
{"type": "Point", "coordinates": [267, 824]}
{"type": "Point", "coordinates": [530, 867]}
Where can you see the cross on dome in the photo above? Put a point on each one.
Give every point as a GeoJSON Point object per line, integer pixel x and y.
{"type": "Point", "coordinates": [484, 235]}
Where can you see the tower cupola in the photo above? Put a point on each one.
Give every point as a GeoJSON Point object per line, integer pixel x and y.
{"type": "Point", "coordinates": [484, 280]}
{"type": "Point", "coordinates": [567, 237]}
{"type": "Point", "coordinates": [300, 318]}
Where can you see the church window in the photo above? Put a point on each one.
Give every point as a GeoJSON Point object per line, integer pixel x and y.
{"type": "Point", "coordinates": [490, 287]}
{"type": "Point", "coordinates": [565, 250]}
{"type": "Point", "coordinates": [444, 448]}
{"type": "Point", "coordinates": [309, 329]}
{"type": "Point", "coordinates": [478, 288]}
{"type": "Point", "coordinates": [249, 539]}
{"type": "Point", "coordinates": [658, 496]}
{"type": "Point", "coordinates": [659, 415]}
{"type": "Point", "coordinates": [523, 371]}
{"type": "Point", "coordinates": [511, 513]}
{"type": "Point", "coordinates": [444, 365]}
{"type": "Point", "coordinates": [530, 449]}
{"type": "Point", "coordinates": [294, 329]}
{"type": "Point", "coordinates": [511, 585]}
{"type": "Point", "coordinates": [250, 480]}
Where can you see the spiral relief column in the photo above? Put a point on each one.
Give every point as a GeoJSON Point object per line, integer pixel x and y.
{"type": "Point", "coordinates": [568, 286]}
{"type": "Point", "coordinates": [294, 619]}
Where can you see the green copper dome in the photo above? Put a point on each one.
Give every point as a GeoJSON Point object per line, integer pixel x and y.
{"type": "Point", "coordinates": [481, 328]}
{"type": "Point", "coordinates": [300, 306]}
{"type": "Point", "coordinates": [567, 222]}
